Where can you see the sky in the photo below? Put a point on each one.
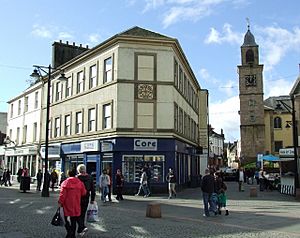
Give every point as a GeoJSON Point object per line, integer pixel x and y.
{"type": "Point", "coordinates": [210, 33]}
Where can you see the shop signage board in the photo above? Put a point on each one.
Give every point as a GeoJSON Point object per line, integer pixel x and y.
{"type": "Point", "coordinates": [90, 146]}
{"type": "Point", "coordinates": [145, 144]}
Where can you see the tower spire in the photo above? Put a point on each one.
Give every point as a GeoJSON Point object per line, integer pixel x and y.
{"type": "Point", "coordinates": [248, 23]}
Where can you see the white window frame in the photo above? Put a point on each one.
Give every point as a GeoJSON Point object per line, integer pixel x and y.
{"type": "Point", "coordinates": [57, 127]}
{"type": "Point", "coordinates": [93, 76]}
{"type": "Point", "coordinates": [108, 64]}
{"type": "Point", "coordinates": [80, 82]}
{"type": "Point", "coordinates": [78, 124]}
{"type": "Point", "coordinates": [36, 100]}
{"type": "Point", "coordinates": [107, 116]}
{"type": "Point", "coordinates": [67, 125]}
{"type": "Point", "coordinates": [92, 119]}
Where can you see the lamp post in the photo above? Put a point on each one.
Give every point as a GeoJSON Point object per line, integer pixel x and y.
{"type": "Point", "coordinates": [291, 109]}
{"type": "Point", "coordinates": [37, 74]}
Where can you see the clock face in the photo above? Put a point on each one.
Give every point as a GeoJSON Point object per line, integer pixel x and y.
{"type": "Point", "coordinates": [250, 80]}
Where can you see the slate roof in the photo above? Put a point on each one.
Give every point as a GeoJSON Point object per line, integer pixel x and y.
{"type": "Point", "coordinates": [141, 32]}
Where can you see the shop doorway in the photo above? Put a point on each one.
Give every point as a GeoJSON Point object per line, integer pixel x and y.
{"type": "Point", "coordinates": [91, 169]}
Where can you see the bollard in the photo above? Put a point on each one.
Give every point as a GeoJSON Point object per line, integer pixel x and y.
{"type": "Point", "coordinates": [253, 192]}
{"type": "Point", "coordinates": [153, 210]}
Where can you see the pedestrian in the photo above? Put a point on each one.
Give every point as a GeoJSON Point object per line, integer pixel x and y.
{"type": "Point", "coordinates": [39, 178]}
{"type": "Point", "coordinates": [1, 174]}
{"type": "Point", "coordinates": [143, 184]}
{"type": "Point", "coordinates": [149, 175]}
{"type": "Point", "coordinates": [8, 177]}
{"type": "Point", "coordinates": [220, 189]}
{"type": "Point", "coordinates": [4, 179]}
{"type": "Point", "coordinates": [119, 184]}
{"type": "Point", "coordinates": [261, 177]}
{"type": "Point", "coordinates": [110, 184]}
{"type": "Point", "coordinates": [25, 180]}
{"type": "Point", "coordinates": [103, 183]}
{"type": "Point", "coordinates": [62, 178]}
{"type": "Point", "coordinates": [241, 179]}
{"type": "Point", "coordinates": [256, 175]}
{"type": "Point", "coordinates": [53, 178]}
{"type": "Point", "coordinates": [208, 188]}
{"type": "Point", "coordinates": [171, 178]}
{"type": "Point", "coordinates": [19, 174]}
{"type": "Point", "coordinates": [90, 193]}
{"type": "Point", "coordinates": [72, 190]}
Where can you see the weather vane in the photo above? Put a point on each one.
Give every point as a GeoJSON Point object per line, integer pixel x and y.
{"type": "Point", "coordinates": [248, 23]}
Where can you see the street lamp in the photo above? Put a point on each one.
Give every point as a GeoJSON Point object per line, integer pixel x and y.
{"type": "Point", "coordinates": [37, 74]}
{"type": "Point", "coordinates": [291, 109]}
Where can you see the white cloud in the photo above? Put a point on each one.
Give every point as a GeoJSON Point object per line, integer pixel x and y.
{"type": "Point", "coordinates": [94, 38]}
{"type": "Point", "coordinates": [64, 35]}
{"type": "Point", "coordinates": [204, 74]}
{"type": "Point", "coordinates": [227, 36]}
{"type": "Point", "coordinates": [153, 4]}
{"type": "Point", "coordinates": [276, 42]}
{"type": "Point", "coordinates": [224, 115]}
{"type": "Point", "coordinates": [277, 87]}
{"type": "Point", "coordinates": [41, 31]}
{"type": "Point", "coordinates": [187, 10]}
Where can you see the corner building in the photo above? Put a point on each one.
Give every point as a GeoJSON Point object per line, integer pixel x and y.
{"type": "Point", "coordinates": [130, 102]}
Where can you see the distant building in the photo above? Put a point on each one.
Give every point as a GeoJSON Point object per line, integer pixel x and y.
{"type": "Point", "coordinates": [216, 148]}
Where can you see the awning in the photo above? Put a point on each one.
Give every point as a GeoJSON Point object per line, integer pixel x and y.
{"type": "Point", "coordinates": [270, 158]}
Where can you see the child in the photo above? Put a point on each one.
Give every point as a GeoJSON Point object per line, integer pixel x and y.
{"type": "Point", "coordinates": [222, 201]}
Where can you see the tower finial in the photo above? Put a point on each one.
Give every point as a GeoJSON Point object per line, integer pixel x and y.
{"type": "Point", "coordinates": [248, 23]}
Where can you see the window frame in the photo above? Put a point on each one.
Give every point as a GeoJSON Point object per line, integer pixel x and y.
{"type": "Point", "coordinates": [107, 117]}
{"type": "Point", "coordinates": [107, 71]}
{"type": "Point", "coordinates": [92, 121]}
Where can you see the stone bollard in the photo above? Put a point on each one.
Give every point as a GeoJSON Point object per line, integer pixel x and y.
{"type": "Point", "coordinates": [153, 210]}
{"type": "Point", "coordinates": [253, 192]}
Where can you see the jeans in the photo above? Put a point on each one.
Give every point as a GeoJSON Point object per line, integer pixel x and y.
{"type": "Point", "coordinates": [104, 193]}
{"type": "Point", "coordinates": [208, 201]}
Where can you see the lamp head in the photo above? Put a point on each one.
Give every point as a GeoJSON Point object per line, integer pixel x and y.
{"type": "Point", "coordinates": [62, 77]}
{"type": "Point", "coordinates": [35, 74]}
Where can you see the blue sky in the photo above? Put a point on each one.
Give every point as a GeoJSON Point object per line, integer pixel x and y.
{"type": "Point", "coordinates": [209, 31]}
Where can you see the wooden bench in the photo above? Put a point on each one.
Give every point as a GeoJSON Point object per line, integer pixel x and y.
{"type": "Point", "coordinates": [253, 192]}
{"type": "Point", "coordinates": [153, 210]}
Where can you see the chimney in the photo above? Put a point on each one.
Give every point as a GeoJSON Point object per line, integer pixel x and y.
{"type": "Point", "coordinates": [63, 52]}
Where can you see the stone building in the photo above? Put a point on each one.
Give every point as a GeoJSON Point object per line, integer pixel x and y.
{"type": "Point", "coordinates": [252, 126]}
{"type": "Point", "coordinates": [131, 102]}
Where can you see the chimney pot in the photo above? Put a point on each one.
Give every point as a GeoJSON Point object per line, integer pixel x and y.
{"type": "Point", "coordinates": [67, 42]}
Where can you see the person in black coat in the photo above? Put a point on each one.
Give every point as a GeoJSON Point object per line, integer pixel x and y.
{"type": "Point", "coordinates": [119, 184]}
{"type": "Point", "coordinates": [90, 188]}
{"type": "Point", "coordinates": [208, 188]}
{"type": "Point", "coordinates": [39, 178]}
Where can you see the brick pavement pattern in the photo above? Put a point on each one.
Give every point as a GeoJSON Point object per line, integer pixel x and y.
{"type": "Point", "coordinates": [270, 214]}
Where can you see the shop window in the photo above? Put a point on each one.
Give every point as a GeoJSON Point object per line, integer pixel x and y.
{"type": "Point", "coordinates": [133, 165]}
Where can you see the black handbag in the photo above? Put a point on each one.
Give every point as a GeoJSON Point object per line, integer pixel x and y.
{"type": "Point", "coordinates": [57, 219]}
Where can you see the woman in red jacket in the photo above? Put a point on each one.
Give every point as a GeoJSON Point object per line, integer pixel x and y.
{"type": "Point", "coordinates": [70, 195]}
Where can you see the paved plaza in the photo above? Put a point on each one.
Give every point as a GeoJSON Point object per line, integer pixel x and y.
{"type": "Point", "coordinates": [271, 214]}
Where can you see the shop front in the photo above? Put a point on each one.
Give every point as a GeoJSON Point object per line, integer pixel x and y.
{"type": "Point", "coordinates": [132, 155]}
{"type": "Point", "coordinates": [287, 171]}
{"type": "Point", "coordinates": [54, 157]}
{"type": "Point", "coordinates": [22, 157]}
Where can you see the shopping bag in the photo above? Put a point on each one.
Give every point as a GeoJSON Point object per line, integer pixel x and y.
{"type": "Point", "coordinates": [58, 218]}
{"type": "Point", "coordinates": [92, 212]}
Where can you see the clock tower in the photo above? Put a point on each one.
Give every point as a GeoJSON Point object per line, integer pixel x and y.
{"type": "Point", "coordinates": [252, 126]}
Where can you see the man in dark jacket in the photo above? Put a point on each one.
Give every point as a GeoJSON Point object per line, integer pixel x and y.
{"type": "Point", "coordinates": [90, 188]}
{"type": "Point", "coordinates": [208, 188]}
